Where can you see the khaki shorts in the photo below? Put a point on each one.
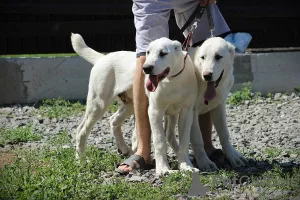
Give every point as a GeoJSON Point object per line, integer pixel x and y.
{"type": "Point", "coordinates": [151, 21]}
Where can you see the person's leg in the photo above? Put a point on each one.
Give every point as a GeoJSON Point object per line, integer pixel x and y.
{"type": "Point", "coordinates": [205, 124]}
{"type": "Point", "coordinates": [141, 115]}
{"type": "Point", "coordinates": [148, 28]}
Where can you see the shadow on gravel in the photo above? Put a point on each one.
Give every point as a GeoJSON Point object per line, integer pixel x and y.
{"type": "Point", "coordinates": [258, 167]}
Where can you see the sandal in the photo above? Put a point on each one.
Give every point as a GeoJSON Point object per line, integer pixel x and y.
{"type": "Point", "coordinates": [130, 162]}
{"type": "Point", "coordinates": [219, 158]}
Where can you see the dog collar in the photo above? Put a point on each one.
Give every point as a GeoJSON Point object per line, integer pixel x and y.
{"type": "Point", "coordinates": [182, 68]}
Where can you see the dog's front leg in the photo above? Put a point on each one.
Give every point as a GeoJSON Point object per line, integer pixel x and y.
{"type": "Point", "coordinates": [219, 120]}
{"type": "Point", "coordinates": [184, 130]}
{"type": "Point", "coordinates": [159, 140]}
{"type": "Point", "coordinates": [203, 162]}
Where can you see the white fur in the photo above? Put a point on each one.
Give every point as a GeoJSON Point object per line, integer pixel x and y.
{"type": "Point", "coordinates": [113, 75]}
{"type": "Point", "coordinates": [209, 49]}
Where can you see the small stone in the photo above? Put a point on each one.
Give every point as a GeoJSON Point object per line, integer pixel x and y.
{"type": "Point", "coordinates": [285, 154]}
{"type": "Point", "coordinates": [135, 178]}
{"type": "Point", "coordinates": [266, 156]}
{"type": "Point", "coordinates": [293, 155]}
{"type": "Point", "coordinates": [277, 96]}
{"type": "Point", "coordinates": [252, 152]}
{"type": "Point", "coordinates": [285, 97]}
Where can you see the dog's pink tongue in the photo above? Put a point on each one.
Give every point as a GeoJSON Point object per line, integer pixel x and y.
{"type": "Point", "coordinates": [210, 92]}
{"type": "Point", "coordinates": [152, 83]}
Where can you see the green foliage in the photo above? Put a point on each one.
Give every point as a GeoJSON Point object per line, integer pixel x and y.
{"type": "Point", "coordinates": [272, 152]}
{"type": "Point", "coordinates": [297, 89]}
{"type": "Point", "coordinates": [239, 97]}
{"type": "Point", "coordinates": [114, 106]}
{"type": "Point", "coordinates": [52, 172]}
{"type": "Point", "coordinates": [20, 134]}
{"type": "Point", "coordinates": [269, 95]}
{"type": "Point", "coordinates": [59, 108]}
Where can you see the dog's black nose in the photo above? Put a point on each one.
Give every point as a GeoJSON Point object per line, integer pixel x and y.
{"type": "Point", "coordinates": [148, 69]}
{"type": "Point", "coordinates": [207, 76]}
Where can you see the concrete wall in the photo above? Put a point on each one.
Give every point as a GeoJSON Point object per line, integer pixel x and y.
{"type": "Point", "coordinates": [27, 80]}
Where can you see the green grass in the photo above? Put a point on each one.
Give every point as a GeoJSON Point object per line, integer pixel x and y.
{"type": "Point", "coordinates": [53, 173]}
{"type": "Point", "coordinates": [60, 108]}
{"type": "Point", "coordinates": [297, 89]}
{"type": "Point", "coordinates": [272, 152]}
{"type": "Point", "coordinates": [114, 106]}
{"type": "Point", "coordinates": [20, 134]}
{"type": "Point", "coordinates": [240, 96]}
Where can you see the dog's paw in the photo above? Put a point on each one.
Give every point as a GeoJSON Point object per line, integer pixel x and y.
{"type": "Point", "coordinates": [235, 158]}
{"type": "Point", "coordinates": [165, 171]}
{"type": "Point", "coordinates": [187, 167]}
{"type": "Point", "coordinates": [205, 164]}
{"type": "Point", "coordinates": [125, 150]}
{"type": "Point", "coordinates": [81, 158]}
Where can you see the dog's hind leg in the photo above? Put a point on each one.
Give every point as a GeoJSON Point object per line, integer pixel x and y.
{"type": "Point", "coordinates": [95, 109]}
{"type": "Point", "coordinates": [116, 122]}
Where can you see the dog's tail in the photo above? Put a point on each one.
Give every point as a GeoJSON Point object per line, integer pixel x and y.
{"type": "Point", "coordinates": [83, 50]}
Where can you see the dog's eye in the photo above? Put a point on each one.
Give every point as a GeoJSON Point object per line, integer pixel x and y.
{"type": "Point", "coordinates": [147, 52]}
{"type": "Point", "coordinates": [162, 54]}
{"type": "Point", "coordinates": [218, 57]}
{"type": "Point", "coordinates": [202, 57]}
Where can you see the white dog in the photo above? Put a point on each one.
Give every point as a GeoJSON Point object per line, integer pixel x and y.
{"type": "Point", "coordinates": [214, 65]}
{"type": "Point", "coordinates": [172, 89]}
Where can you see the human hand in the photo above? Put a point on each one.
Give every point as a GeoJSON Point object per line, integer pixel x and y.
{"type": "Point", "coordinates": [204, 2]}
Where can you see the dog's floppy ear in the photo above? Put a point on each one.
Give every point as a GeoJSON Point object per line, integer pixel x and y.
{"type": "Point", "coordinates": [231, 49]}
{"type": "Point", "coordinates": [177, 45]}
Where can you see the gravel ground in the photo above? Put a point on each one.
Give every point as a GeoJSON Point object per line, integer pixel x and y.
{"type": "Point", "coordinates": [272, 123]}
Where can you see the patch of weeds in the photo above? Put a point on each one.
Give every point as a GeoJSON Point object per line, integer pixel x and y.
{"type": "Point", "coordinates": [272, 152]}
{"type": "Point", "coordinates": [297, 89]}
{"type": "Point", "coordinates": [240, 96]}
{"type": "Point", "coordinates": [269, 95]}
{"type": "Point", "coordinates": [61, 138]}
{"type": "Point", "coordinates": [55, 174]}
{"type": "Point", "coordinates": [17, 135]}
{"type": "Point", "coordinates": [276, 184]}
{"type": "Point", "coordinates": [114, 106]}
{"type": "Point", "coordinates": [60, 108]}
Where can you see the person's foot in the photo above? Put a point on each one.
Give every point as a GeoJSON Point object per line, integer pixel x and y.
{"type": "Point", "coordinates": [134, 162]}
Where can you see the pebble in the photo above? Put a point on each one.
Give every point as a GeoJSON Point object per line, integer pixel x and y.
{"type": "Point", "coordinates": [293, 155]}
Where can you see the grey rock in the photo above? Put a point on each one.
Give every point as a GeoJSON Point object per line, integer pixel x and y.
{"type": "Point", "coordinates": [293, 155]}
